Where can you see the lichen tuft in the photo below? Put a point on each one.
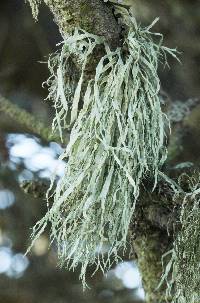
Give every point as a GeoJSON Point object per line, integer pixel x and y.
{"type": "Point", "coordinates": [117, 140]}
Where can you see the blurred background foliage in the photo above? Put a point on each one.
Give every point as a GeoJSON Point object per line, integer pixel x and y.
{"type": "Point", "coordinates": [23, 43]}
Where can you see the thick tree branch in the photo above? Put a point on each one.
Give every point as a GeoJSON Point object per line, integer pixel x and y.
{"type": "Point", "coordinates": [93, 16]}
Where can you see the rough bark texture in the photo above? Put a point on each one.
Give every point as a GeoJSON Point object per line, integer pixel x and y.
{"type": "Point", "coordinates": [93, 16]}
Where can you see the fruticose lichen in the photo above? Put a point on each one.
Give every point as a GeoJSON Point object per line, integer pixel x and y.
{"type": "Point", "coordinates": [34, 4]}
{"type": "Point", "coordinates": [117, 140]}
{"type": "Point", "coordinates": [182, 273]}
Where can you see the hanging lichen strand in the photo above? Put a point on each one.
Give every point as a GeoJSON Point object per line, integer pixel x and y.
{"type": "Point", "coordinates": [34, 4]}
{"type": "Point", "coordinates": [183, 271]}
{"type": "Point", "coordinates": [117, 140]}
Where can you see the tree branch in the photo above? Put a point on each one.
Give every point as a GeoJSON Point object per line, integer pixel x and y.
{"type": "Point", "coordinates": [158, 216]}
{"type": "Point", "coordinates": [93, 16]}
{"type": "Point", "coordinates": [27, 120]}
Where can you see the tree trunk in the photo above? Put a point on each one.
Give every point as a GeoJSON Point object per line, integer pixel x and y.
{"type": "Point", "coordinates": [149, 248]}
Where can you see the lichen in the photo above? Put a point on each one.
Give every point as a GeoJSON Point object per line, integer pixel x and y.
{"type": "Point", "coordinates": [34, 4]}
{"type": "Point", "coordinates": [117, 140]}
{"type": "Point", "coordinates": [182, 273]}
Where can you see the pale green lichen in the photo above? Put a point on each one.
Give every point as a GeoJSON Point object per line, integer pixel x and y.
{"type": "Point", "coordinates": [34, 4]}
{"type": "Point", "coordinates": [182, 272]}
{"type": "Point", "coordinates": [117, 140]}
{"type": "Point", "coordinates": [62, 84]}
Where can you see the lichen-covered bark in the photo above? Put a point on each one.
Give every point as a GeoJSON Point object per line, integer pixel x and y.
{"type": "Point", "coordinates": [93, 16]}
{"type": "Point", "coordinates": [149, 247]}
{"type": "Point", "coordinates": [152, 238]}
